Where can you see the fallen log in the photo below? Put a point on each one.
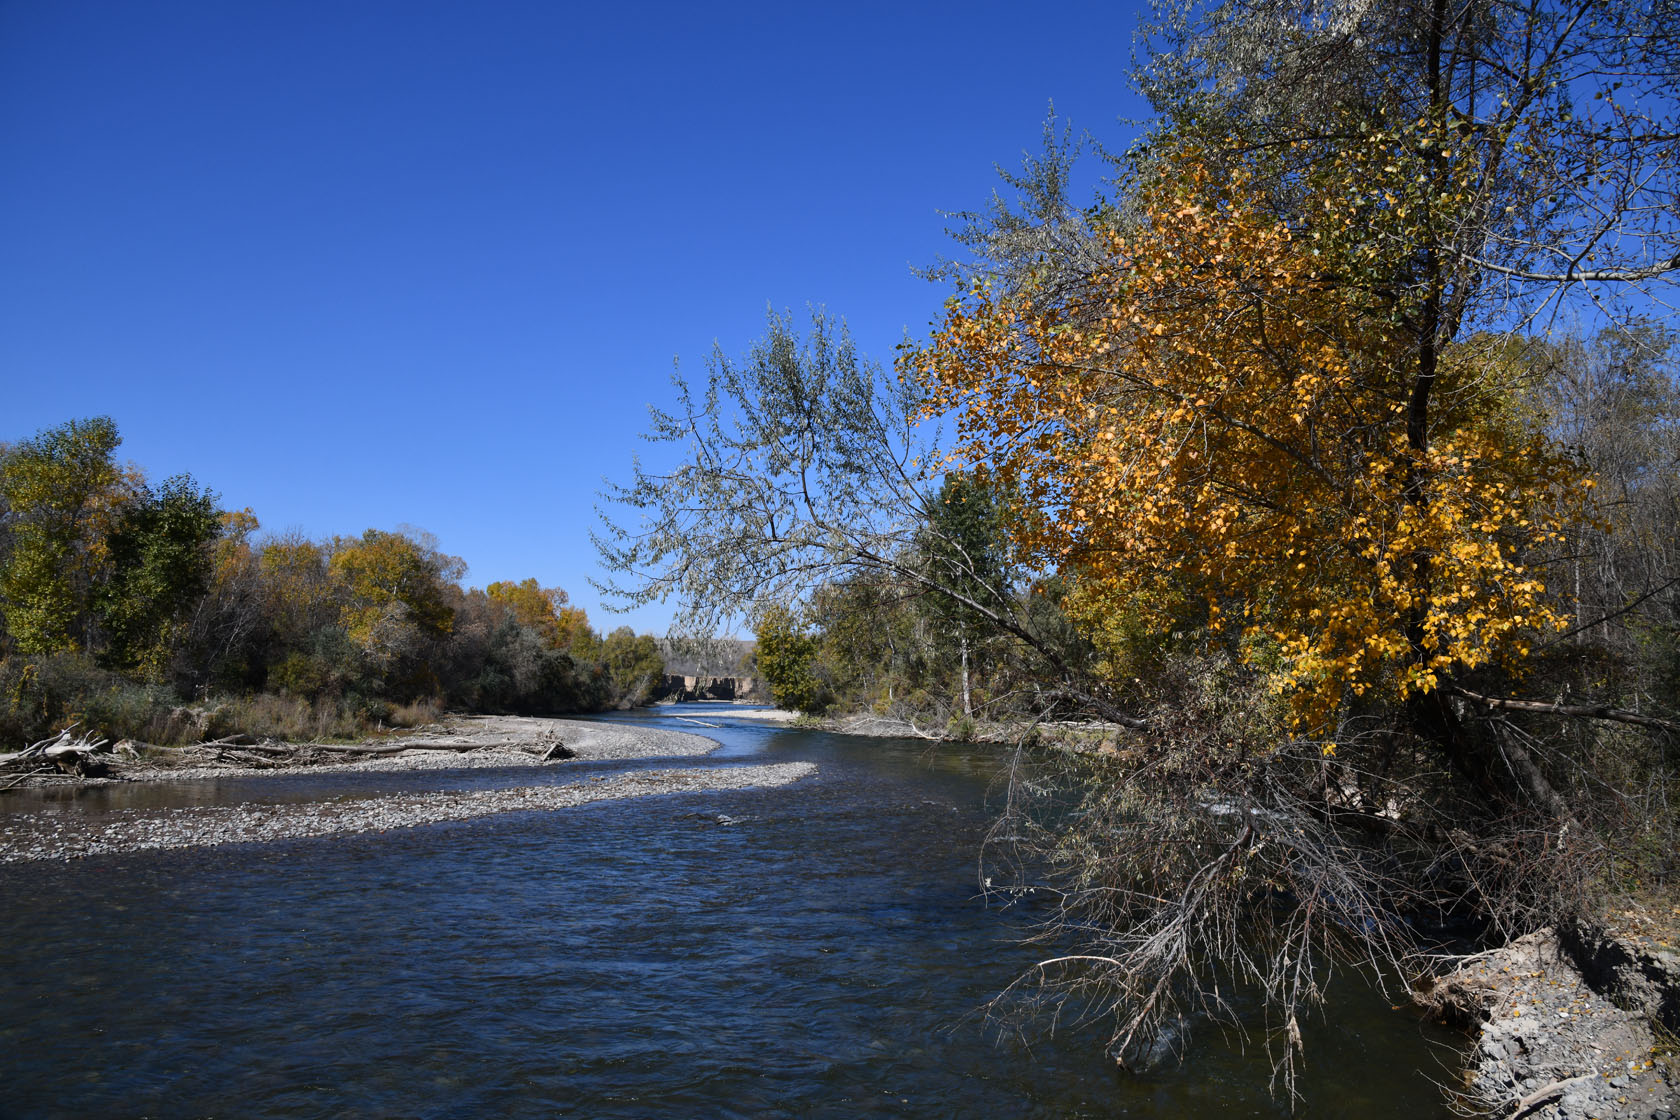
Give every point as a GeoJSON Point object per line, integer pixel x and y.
{"type": "Point", "coordinates": [60, 750]}
{"type": "Point", "coordinates": [43, 771]}
{"type": "Point", "coordinates": [396, 748]}
{"type": "Point", "coordinates": [238, 739]}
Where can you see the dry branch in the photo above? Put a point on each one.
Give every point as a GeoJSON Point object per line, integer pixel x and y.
{"type": "Point", "coordinates": [1573, 711]}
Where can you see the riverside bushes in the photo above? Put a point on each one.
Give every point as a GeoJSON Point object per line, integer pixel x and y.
{"type": "Point", "coordinates": [150, 613]}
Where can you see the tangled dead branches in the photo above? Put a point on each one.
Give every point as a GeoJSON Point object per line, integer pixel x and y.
{"type": "Point", "coordinates": [1214, 867]}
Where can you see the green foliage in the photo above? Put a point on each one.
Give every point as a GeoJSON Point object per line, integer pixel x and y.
{"type": "Point", "coordinates": [521, 672]}
{"type": "Point", "coordinates": [634, 666]}
{"type": "Point", "coordinates": [147, 612]}
{"type": "Point", "coordinates": [328, 665]}
{"type": "Point", "coordinates": [61, 490]}
{"type": "Point", "coordinates": [161, 566]}
{"type": "Point", "coordinates": [39, 695]}
{"type": "Point", "coordinates": [787, 660]}
{"type": "Point", "coordinates": [964, 544]}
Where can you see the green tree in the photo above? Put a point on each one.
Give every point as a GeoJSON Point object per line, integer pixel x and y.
{"type": "Point", "coordinates": [871, 648]}
{"type": "Point", "coordinates": [787, 658]}
{"type": "Point", "coordinates": [633, 664]}
{"type": "Point", "coordinates": [63, 492]}
{"type": "Point", "coordinates": [161, 563]}
{"type": "Point", "coordinates": [964, 547]}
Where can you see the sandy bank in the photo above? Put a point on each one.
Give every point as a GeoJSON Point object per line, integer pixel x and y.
{"type": "Point", "coordinates": [461, 743]}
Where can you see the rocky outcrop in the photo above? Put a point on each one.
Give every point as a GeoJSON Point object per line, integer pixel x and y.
{"type": "Point", "coordinates": [1552, 1044]}
{"type": "Point", "coordinates": [744, 690]}
{"type": "Point", "coordinates": [1633, 968]}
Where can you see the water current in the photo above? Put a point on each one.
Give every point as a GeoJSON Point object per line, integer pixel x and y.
{"type": "Point", "coordinates": [815, 950]}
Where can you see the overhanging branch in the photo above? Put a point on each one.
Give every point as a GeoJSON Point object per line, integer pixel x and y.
{"type": "Point", "coordinates": [1573, 711]}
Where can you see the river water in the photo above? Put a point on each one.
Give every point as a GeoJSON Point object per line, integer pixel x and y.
{"type": "Point", "coordinates": [816, 950]}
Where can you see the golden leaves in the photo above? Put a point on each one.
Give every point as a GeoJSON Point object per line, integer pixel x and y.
{"type": "Point", "coordinates": [1214, 425]}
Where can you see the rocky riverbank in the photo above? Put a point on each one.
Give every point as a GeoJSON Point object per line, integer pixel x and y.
{"type": "Point", "coordinates": [460, 744]}
{"type": "Point", "coordinates": [1553, 1043]}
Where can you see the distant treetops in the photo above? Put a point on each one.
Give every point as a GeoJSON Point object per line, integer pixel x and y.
{"type": "Point", "coordinates": [160, 584]}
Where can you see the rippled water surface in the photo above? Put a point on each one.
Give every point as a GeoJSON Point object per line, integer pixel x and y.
{"type": "Point", "coordinates": [817, 950]}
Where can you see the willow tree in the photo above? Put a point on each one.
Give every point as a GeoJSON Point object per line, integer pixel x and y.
{"type": "Point", "coordinates": [798, 464]}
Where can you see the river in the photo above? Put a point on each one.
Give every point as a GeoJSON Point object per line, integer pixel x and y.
{"type": "Point", "coordinates": [814, 950]}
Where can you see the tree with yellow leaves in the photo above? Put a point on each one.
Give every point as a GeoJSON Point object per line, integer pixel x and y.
{"type": "Point", "coordinates": [1269, 408]}
{"type": "Point", "coordinates": [546, 610]}
{"type": "Point", "coordinates": [393, 592]}
{"type": "Point", "coordinates": [1212, 431]}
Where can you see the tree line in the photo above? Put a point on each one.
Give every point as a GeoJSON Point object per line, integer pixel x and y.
{"type": "Point", "coordinates": [1326, 457]}
{"type": "Point", "coordinates": [124, 602]}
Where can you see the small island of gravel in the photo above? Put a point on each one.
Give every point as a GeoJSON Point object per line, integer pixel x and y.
{"type": "Point", "coordinates": [460, 743]}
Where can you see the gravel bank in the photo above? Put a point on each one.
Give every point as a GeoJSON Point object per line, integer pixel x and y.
{"type": "Point", "coordinates": [459, 743]}
{"type": "Point", "coordinates": [1550, 1047]}
{"type": "Point", "coordinates": [24, 839]}
{"type": "Point", "coordinates": [495, 741]}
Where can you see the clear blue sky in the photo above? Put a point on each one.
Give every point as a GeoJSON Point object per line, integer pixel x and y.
{"type": "Point", "coordinates": [361, 264]}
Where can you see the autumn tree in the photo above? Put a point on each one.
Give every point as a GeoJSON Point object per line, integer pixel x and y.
{"type": "Point", "coordinates": [1211, 434]}
{"type": "Point", "coordinates": [1267, 411]}
{"type": "Point", "coordinates": [1282, 348]}
{"type": "Point", "coordinates": [296, 588]}
{"type": "Point", "coordinates": [546, 610]}
{"type": "Point", "coordinates": [227, 631]}
{"type": "Point", "coordinates": [392, 577]}
{"type": "Point", "coordinates": [394, 602]}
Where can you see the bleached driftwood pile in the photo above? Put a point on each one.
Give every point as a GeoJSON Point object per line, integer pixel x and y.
{"type": "Point", "coordinates": [66, 754]}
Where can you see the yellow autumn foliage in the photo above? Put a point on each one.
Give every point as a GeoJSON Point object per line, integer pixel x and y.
{"type": "Point", "coordinates": [1211, 431]}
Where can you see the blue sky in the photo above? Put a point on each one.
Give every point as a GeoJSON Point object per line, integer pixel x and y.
{"type": "Point", "coordinates": [366, 264]}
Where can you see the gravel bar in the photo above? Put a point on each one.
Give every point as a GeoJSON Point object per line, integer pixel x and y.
{"type": "Point", "coordinates": [497, 742]}
{"type": "Point", "coordinates": [22, 839]}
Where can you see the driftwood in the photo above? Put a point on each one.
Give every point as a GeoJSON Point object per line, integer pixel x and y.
{"type": "Point", "coordinates": [65, 751]}
{"type": "Point", "coordinates": [238, 739]}
{"type": "Point", "coordinates": [1547, 1092]}
{"type": "Point", "coordinates": [398, 748]}
{"type": "Point", "coordinates": [76, 757]}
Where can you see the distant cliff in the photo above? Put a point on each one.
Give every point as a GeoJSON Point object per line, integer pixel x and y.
{"type": "Point", "coordinates": [746, 690]}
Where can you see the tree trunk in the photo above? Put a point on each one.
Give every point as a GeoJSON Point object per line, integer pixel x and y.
{"type": "Point", "coordinates": [968, 707]}
{"type": "Point", "coordinates": [1502, 769]}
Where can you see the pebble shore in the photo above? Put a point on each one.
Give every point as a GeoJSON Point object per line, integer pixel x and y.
{"type": "Point", "coordinates": [212, 825]}
{"type": "Point", "coordinates": [499, 742]}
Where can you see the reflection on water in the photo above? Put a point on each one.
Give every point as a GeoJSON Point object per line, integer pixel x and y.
{"type": "Point", "coordinates": [816, 950]}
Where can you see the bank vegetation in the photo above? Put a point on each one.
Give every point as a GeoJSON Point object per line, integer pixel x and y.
{"type": "Point", "coordinates": [1325, 458]}
{"type": "Point", "coordinates": [150, 611]}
